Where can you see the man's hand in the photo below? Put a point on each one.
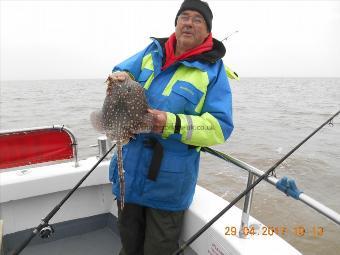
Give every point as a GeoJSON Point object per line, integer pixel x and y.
{"type": "Point", "coordinates": [158, 120]}
{"type": "Point", "coordinates": [117, 76]}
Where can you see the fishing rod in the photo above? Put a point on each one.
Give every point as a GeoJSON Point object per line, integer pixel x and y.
{"type": "Point", "coordinates": [226, 38]}
{"type": "Point", "coordinates": [44, 229]}
{"type": "Point", "coordinates": [287, 189]}
{"type": "Point", "coordinates": [241, 195]}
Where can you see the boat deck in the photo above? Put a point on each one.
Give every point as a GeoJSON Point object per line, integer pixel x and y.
{"type": "Point", "coordinates": [102, 241]}
{"type": "Point", "coordinates": [88, 236]}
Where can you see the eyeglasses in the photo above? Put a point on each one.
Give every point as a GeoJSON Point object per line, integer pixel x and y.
{"type": "Point", "coordinates": [196, 20]}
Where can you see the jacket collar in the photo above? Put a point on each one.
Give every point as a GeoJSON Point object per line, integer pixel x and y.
{"type": "Point", "coordinates": [217, 52]}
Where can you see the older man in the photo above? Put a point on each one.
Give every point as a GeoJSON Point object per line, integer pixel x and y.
{"type": "Point", "coordinates": [187, 88]}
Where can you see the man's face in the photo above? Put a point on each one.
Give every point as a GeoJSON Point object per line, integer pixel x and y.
{"type": "Point", "coordinates": [191, 30]}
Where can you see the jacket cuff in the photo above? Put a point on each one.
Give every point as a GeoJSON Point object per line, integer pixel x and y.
{"type": "Point", "coordinates": [170, 125]}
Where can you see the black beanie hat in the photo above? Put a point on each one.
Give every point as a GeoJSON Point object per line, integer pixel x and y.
{"type": "Point", "coordinates": [199, 6]}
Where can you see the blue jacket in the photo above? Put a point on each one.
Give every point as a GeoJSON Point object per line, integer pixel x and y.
{"type": "Point", "coordinates": [196, 95]}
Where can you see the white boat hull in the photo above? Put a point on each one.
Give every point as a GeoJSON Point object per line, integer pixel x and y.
{"type": "Point", "coordinates": [28, 195]}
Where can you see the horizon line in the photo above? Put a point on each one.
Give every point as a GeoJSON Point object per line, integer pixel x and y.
{"type": "Point", "coordinates": [245, 77]}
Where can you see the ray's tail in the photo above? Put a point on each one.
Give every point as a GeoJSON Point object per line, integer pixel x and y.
{"type": "Point", "coordinates": [121, 173]}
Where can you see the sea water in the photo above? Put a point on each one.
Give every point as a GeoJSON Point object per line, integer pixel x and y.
{"type": "Point", "coordinates": [271, 116]}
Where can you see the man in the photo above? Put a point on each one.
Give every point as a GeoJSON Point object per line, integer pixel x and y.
{"type": "Point", "coordinates": [187, 88]}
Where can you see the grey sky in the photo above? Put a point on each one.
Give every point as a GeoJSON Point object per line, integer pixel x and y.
{"type": "Point", "coordinates": [85, 39]}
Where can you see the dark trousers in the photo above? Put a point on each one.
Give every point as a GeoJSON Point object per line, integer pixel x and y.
{"type": "Point", "coordinates": [148, 231]}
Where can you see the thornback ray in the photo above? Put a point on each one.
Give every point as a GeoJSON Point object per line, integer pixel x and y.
{"type": "Point", "coordinates": [124, 114]}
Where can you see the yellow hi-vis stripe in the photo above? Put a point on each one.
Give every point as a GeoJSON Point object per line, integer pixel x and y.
{"type": "Point", "coordinates": [203, 130]}
{"type": "Point", "coordinates": [148, 82]}
{"type": "Point", "coordinates": [231, 74]}
{"type": "Point", "coordinates": [196, 77]}
{"type": "Point", "coordinates": [147, 63]}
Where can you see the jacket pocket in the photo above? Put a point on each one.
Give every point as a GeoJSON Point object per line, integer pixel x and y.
{"type": "Point", "coordinates": [168, 187]}
{"type": "Point", "coordinates": [184, 98]}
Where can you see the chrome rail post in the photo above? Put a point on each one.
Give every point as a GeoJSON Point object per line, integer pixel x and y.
{"type": "Point", "coordinates": [103, 145]}
{"type": "Point", "coordinates": [74, 142]}
{"type": "Point", "coordinates": [247, 205]}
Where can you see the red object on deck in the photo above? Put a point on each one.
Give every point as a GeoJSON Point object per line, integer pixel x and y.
{"type": "Point", "coordinates": [35, 146]}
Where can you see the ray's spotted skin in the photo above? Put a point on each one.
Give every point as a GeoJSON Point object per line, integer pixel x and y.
{"type": "Point", "coordinates": [124, 113]}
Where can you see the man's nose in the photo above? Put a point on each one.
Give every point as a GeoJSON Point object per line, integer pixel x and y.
{"type": "Point", "coordinates": [189, 21]}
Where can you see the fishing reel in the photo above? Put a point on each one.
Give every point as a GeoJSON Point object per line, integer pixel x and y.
{"type": "Point", "coordinates": [46, 231]}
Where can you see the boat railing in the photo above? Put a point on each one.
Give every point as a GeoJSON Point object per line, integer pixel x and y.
{"type": "Point", "coordinates": [28, 146]}
{"type": "Point", "coordinates": [253, 172]}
